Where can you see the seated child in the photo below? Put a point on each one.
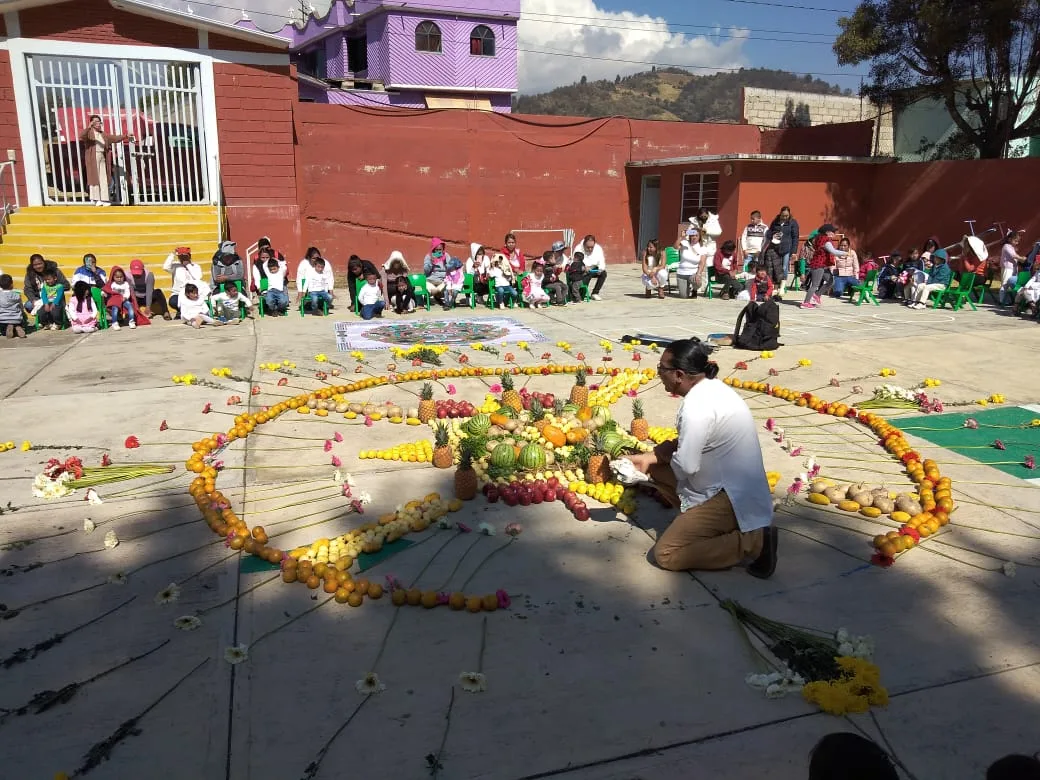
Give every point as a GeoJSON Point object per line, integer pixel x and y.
{"type": "Point", "coordinates": [10, 308]}
{"type": "Point", "coordinates": [370, 297]}
{"type": "Point", "coordinates": [868, 264]}
{"type": "Point", "coordinates": [193, 308]}
{"type": "Point", "coordinates": [317, 284]}
{"type": "Point", "coordinates": [534, 294]}
{"type": "Point", "coordinates": [1029, 295]}
{"type": "Point", "coordinates": [276, 298]}
{"type": "Point", "coordinates": [119, 298]}
{"type": "Point", "coordinates": [49, 308]}
{"type": "Point", "coordinates": [454, 278]}
{"type": "Point", "coordinates": [230, 304]}
{"type": "Point", "coordinates": [758, 288]}
{"type": "Point", "coordinates": [81, 310]}
{"type": "Point", "coordinates": [888, 277]}
{"type": "Point", "coordinates": [402, 297]}
{"type": "Point", "coordinates": [576, 275]}
{"type": "Point", "coordinates": [501, 275]}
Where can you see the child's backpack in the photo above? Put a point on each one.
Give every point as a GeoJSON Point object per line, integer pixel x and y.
{"type": "Point", "coordinates": [758, 326]}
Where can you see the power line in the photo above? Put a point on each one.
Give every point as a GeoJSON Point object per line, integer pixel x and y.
{"type": "Point", "coordinates": [792, 7]}
{"type": "Point", "coordinates": [584, 21]}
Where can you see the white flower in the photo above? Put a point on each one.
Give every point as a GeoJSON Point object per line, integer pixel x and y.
{"type": "Point", "coordinates": [365, 498]}
{"type": "Point", "coordinates": [846, 649]}
{"type": "Point", "coordinates": [88, 526]}
{"type": "Point", "coordinates": [763, 681]}
{"type": "Point", "coordinates": [111, 540]}
{"type": "Point", "coordinates": [337, 476]}
{"type": "Point", "coordinates": [473, 682]}
{"type": "Point", "coordinates": [348, 479]}
{"type": "Point", "coordinates": [93, 497]}
{"type": "Point", "coordinates": [443, 522]}
{"type": "Point", "coordinates": [487, 529]}
{"type": "Point", "coordinates": [117, 579]}
{"type": "Point", "coordinates": [169, 594]}
{"type": "Point", "coordinates": [236, 654]}
{"type": "Point", "coordinates": [842, 635]}
{"type": "Point", "coordinates": [187, 623]}
{"type": "Point", "coordinates": [369, 684]}
{"type": "Point", "coordinates": [621, 516]}
{"type": "Point", "coordinates": [1010, 569]}
{"type": "Point", "coordinates": [803, 477]}
{"type": "Point", "coordinates": [776, 691]}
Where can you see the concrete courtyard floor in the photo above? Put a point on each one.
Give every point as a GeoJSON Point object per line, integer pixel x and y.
{"type": "Point", "coordinates": [605, 667]}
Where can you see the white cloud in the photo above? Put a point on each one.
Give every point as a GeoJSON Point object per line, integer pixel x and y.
{"type": "Point", "coordinates": [580, 27]}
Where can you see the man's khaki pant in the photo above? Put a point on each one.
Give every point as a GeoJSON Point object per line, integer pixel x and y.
{"type": "Point", "coordinates": [705, 537]}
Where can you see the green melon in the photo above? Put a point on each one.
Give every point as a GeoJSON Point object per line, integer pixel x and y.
{"type": "Point", "coordinates": [600, 414]}
{"type": "Point", "coordinates": [503, 457]}
{"type": "Point", "coordinates": [570, 408]}
{"type": "Point", "coordinates": [532, 458]}
{"type": "Point", "coordinates": [479, 424]}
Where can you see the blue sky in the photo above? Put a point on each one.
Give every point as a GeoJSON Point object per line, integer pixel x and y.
{"type": "Point", "coordinates": [562, 40]}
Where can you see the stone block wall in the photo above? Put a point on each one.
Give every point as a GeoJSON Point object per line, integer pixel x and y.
{"type": "Point", "coordinates": [766, 108]}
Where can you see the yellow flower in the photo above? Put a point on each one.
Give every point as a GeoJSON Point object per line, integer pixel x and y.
{"type": "Point", "coordinates": [1035, 423]}
{"type": "Point", "coordinates": [982, 402]}
{"type": "Point", "coordinates": [26, 445]}
{"type": "Point", "coordinates": [635, 342]}
{"type": "Point", "coordinates": [766, 355]}
{"type": "Point", "coordinates": [176, 380]}
{"type": "Point", "coordinates": [215, 371]}
{"type": "Point", "coordinates": [321, 357]}
{"type": "Point", "coordinates": [476, 345]}
{"type": "Point", "coordinates": [805, 362]}
{"type": "Point", "coordinates": [521, 345]}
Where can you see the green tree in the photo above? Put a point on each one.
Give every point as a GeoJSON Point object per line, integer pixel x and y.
{"type": "Point", "coordinates": [980, 58]}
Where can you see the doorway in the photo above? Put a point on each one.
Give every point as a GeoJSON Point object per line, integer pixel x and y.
{"type": "Point", "coordinates": [158, 103]}
{"type": "Point", "coordinates": [649, 211]}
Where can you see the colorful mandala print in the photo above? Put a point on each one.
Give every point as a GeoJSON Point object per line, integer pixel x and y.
{"type": "Point", "coordinates": [437, 332]}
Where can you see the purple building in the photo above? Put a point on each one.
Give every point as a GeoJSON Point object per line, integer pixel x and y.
{"type": "Point", "coordinates": [450, 54]}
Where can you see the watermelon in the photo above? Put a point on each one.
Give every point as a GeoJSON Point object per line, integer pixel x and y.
{"type": "Point", "coordinates": [503, 457]}
{"type": "Point", "coordinates": [532, 458]}
{"type": "Point", "coordinates": [507, 411]}
{"type": "Point", "coordinates": [479, 424]}
{"type": "Point", "coordinates": [611, 442]}
{"type": "Point", "coordinates": [570, 408]}
{"type": "Point", "coordinates": [600, 414]}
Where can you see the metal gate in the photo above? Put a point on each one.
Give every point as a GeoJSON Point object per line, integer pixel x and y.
{"type": "Point", "coordinates": [158, 103]}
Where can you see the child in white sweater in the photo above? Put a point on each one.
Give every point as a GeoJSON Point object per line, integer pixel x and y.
{"type": "Point", "coordinates": [370, 298]}
{"type": "Point", "coordinates": [193, 308]}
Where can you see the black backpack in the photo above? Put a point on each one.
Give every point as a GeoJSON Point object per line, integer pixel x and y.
{"type": "Point", "coordinates": [761, 326]}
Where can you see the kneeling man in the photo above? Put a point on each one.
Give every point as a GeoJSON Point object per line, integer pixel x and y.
{"type": "Point", "coordinates": [713, 474]}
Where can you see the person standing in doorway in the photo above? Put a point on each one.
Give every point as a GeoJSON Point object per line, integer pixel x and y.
{"type": "Point", "coordinates": [787, 226]}
{"type": "Point", "coordinates": [97, 160]}
{"type": "Point", "coordinates": [713, 473]}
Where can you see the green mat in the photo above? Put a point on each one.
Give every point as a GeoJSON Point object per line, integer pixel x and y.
{"type": "Point", "coordinates": [954, 436]}
{"type": "Point", "coordinates": [365, 561]}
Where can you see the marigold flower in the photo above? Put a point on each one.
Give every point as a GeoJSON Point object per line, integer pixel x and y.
{"type": "Point", "coordinates": [131, 443]}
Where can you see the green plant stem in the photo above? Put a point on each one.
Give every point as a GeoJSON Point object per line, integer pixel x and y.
{"type": "Point", "coordinates": [487, 558]}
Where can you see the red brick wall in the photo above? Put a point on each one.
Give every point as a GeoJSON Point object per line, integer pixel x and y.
{"type": "Point", "coordinates": [9, 138]}
{"type": "Point", "coordinates": [375, 180]}
{"type": "Point", "coordinates": [846, 139]}
{"type": "Point", "coordinates": [257, 157]}
{"type": "Point", "coordinates": [95, 21]}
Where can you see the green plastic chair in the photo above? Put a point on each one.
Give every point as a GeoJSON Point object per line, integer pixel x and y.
{"type": "Point", "coordinates": [519, 289]}
{"type": "Point", "coordinates": [799, 272]}
{"type": "Point", "coordinates": [358, 284]}
{"type": "Point", "coordinates": [261, 289]}
{"type": "Point", "coordinates": [583, 287]}
{"type": "Point", "coordinates": [99, 303]}
{"type": "Point", "coordinates": [304, 299]}
{"type": "Point", "coordinates": [711, 280]}
{"type": "Point", "coordinates": [468, 290]}
{"type": "Point", "coordinates": [510, 301]}
{"type": "Point", "coordinates": [419, 288]}
{"type": "Point", "coordinates": [865, 289]}
{"type": "Point", "coordinates": [671, 263]}
{"type": "Point", "coordinates": [957, 295]}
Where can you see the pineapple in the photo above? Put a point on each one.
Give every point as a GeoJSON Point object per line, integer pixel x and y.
{"type": "Point", "coordinates": [427, 408]}
{"type": "Point", "coordinates": [510, 397]}
{"type": "Point", "coordinates": [465, 477]}
{"type": "Point", "coordinates": [580, 393]}
{"type": "Point", "coordinates": [538, 415]}
{"type": "Point", "coordinates": [558, 405]}
{"type": "Point", "coordinates": [598, 470]}
{"type": "Point", "coordinates": [640, 427]}
{"type": "Point", "coordinates": [442, 456]}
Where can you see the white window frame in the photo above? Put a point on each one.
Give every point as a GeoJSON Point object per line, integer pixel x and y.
{"type": "Point", "coordinates": [699, 177]}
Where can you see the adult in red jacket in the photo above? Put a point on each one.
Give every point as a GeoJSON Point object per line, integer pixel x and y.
{"type": "Point", "coordinates": [824, 253]}
{"type": "Point", "coordinates": [726, 269]}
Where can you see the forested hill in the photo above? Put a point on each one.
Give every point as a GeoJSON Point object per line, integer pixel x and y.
{"type": "Point", "coordinates": [668, 93]}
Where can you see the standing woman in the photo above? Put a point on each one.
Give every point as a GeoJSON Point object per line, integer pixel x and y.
{"type": "Point", "coordinates": [787, 226]}
{"type": "Point", "coordinates": [655, 274]}
{"type": "Point", "coordinates": [97, 144]}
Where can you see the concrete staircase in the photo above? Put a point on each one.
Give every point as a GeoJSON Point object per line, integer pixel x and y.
{"type": "Point", "coordinates": [115, 234]}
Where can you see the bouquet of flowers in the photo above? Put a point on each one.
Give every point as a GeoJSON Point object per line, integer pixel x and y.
{"type": "Point", "coordinates": [60, 478]}
{"type": "Point", "coordinates": [892, 397]}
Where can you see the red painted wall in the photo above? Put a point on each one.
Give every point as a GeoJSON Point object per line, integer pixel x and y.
{"type": "Point", "coordinates": [912, 201]}
{"type": "Point", "coordinates": [96, 21]}
{"type": "Point", "coordinates": [9, 138]}
{"type": "Point", "coordinates": [257, 153]}
{"type": "Point", "coordinates": [372, 181]}
{"type": "Point", "coordinates": [846, 139]}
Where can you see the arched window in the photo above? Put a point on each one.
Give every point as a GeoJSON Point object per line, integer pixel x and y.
{"type": "Point", "coordinates": [482, 42]}
{"type": "Point", "coordinates": [428, 37]}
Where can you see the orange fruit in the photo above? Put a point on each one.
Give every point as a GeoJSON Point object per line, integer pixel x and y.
{"type": "Point", "coordinates": [354, 599]}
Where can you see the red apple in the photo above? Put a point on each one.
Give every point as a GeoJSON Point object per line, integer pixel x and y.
{"type": "Point", "coordinates": [524, 499]}
{"type": "Point", "coordinates": [550, 495]}
{"type": "Point", "coordinates": [510, 499]}
{"type": "Point", "coordinates": [581, 513]}
{"type": "Point", "coordinates": [442, 413]}
{"type": "Point", "coordinates": [552, 482]}
{"type": "Point", "coordinates": [492, 495]}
